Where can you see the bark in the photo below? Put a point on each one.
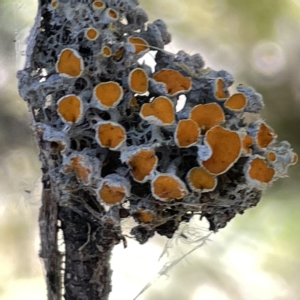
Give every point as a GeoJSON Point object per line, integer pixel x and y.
{"type": "Point", "coordinates": [76, 243]}
{"type": "Point", "coordinates": [88, 251]}
{"type": "Point", "coordinates": [88, 245]}
{"type": "Point", "coordinates": [49, 252]}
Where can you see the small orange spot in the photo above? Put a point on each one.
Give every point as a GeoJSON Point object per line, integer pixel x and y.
{"type": "Point", "coordinates": [91, 33]}
{"type": "Point", "coordinates": [219, 89]}
{"type": "Point", "coordinates": [113, 14]}
{"type": "Point", "coordinates": [118, 54]}
{"type": "Point", "coordinates": [236, 102]}
{"type": "Point", "coordinates": [207, 115]}
{"type": "Point", "coordinates": [78, 165]}
{"type": "Point", "coordinates": [133, 102]}
{"type": "Point", "coordinates": [70, 108]}
{"type": "Point", "coordinates": [166, 187]}
{"type": "Point", "coordinates": [200, 180]}
{"type": "Point", "coordinates": [69, 63]}
{"type": "Point", "coordinates": [98, 4]}
{"type": "Point", "coordinates": [260, 171]}
{"type": "Point", "coordinates": [174, 81]}
{"type": "Point", "coordinates": [139, 44]}
{"type": "Point", "coordinates": [57, 145]}
{"type": "Point", "coordinates": [246, 143]}
{"type": "Point", "coordinates": [142, 162]}
{"type": "Point", "coordinates": [187, 132]}
{"type": "Point", "coordinates": [264, 136]}
{"type": "Point", "coordinates": [110, 135]}
{"type": "Point", "coordinates": [145, 215]}
{"type": "Point", "coordinates": [226, 148]}
{"type": "Point", "coordinates": [271, 156]}
{"type": "Point", "coordinates": [138, 81]}
{"type": "Point", "coordinates": [112, 27]}
{"type": "Point", "coordinates": [160, 111]}
{"type": "Point", "coordinates": [106, 51]}
{"type": "Point", "coordinates": [54, 3]}
{"type": "Point", "coordinates": [109, 94]}
{"type": "Point", "coordinates": [294, 159]}
{"type": "Point", "coordinates": [111, 193]}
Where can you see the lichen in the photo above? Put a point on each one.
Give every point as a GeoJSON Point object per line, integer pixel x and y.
{"type": "Point", "coordinates": [112, 54]}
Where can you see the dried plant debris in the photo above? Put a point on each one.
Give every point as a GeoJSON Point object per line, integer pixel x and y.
{"type": "Point", "coordinates": [107, 124]}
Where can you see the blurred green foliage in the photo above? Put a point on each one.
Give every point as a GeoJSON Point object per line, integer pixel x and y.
{"type": "Point", "coordinates": [254, 40]}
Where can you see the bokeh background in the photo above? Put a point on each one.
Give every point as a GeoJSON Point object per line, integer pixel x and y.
{"type": "Point", "coordinates": [256, 257]}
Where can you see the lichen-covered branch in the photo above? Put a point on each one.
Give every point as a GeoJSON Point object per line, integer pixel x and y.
{"type": "Point", "coordinates": [113, 146]}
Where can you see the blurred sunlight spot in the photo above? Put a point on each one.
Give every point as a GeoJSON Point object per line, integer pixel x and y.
{"type": "Point", "coordinates": [25, 289]}
{"type": "Point", "coordinates": [262, 285]}
{"type": "Point", "coordinates": [27, 8]}
{"type": "Point", "coordinates": [167, 8]}
{"type": "Point", "coordinates": [297, 2]}
{"type": "Point", "coordinates": [134, 267]}
{"type": "Point", "coordinates": [268, 58]}
{"type": "Point", "coordinates": [207, 292]}
{"type": "Point", "coordinates": [224, 57]}
{"type": "Point", "coordinates": [216, 7]}
{"type": "Point", "coordinates": [254, 283]}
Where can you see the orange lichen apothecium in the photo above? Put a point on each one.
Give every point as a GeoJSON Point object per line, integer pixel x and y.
{"type": "Point", "coordinates": [78, 165]}
{"type": "Point", "coordinates": [91, 33]}
{"type": "Point", "coordinates": [236, 102]}
{"type": "Point", "coordinates": [260, 171]}
{"type": "Point", "coordinates": [174, 81]}
{"type": "Point", "coordinates": [110, 135]}
{"type": "Point", "coordinates": [98, 4]}
{"type": "Point", "coordinates": [138, 81]}
{"type": "Point", "coordinates": [207, 115]}
{"type": "Point", "coordinates": [106, 51]}
{"type": "Point", "coordinates": [264, 136]}
{"type": "Point", "coordinates": [200, 180]}
{"type": "Point", "coordinates": [246, 143]}
{"type": "Point", "coordinates": [69, 63]}
{"type": "Point", "coordinates": [113, 14]}
{"type": "Point", "coordinates": [109, 94]}
{"type": "Point", "coordinates": [271, 156]}
{"type": "Point", "coordinates": [111, 193]}
{"type": "Point", "coordinates": [219, 89]}
{"type": "Point", "coordinates": [142, 162]}
{"type": "Point", "coordinates": [54, 3]}
{"type": "Point", "coordinates": [69, 108]}
{"type": "Point", "coordinates": [186, 134]}
{"type": "Point", "coordinates": [160, 111]}
{"type": "Point", "coordinates": [145, 215]}
{"type": "Point", "coordinates": [226, 148]}
{"type": "Point", "coordinates": [133, 102]}
{"type": "Point", "coordinates": [58, 145]}
{"type": "Point", "coordinates": [166, 187]}
{"type": "Point", "coordinates": [118, 54]}
{"type": "Point", "coordinates": [294, 159]}
{"type": "Point", "coordinates": [139, 44]}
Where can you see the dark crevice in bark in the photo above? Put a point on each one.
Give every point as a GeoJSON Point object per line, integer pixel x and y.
{"type": "Point", "coordinates": [87, 257]}
{"type": "Point", "coordinates": [49, 252]}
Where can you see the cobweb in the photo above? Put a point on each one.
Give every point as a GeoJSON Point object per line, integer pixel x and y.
{"type": "Point", "coordinates": [172, 253]}
{"type": "Point", "coordinates": [23, 14]}
{"type": "Point", "coordinates": [140, 270]}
